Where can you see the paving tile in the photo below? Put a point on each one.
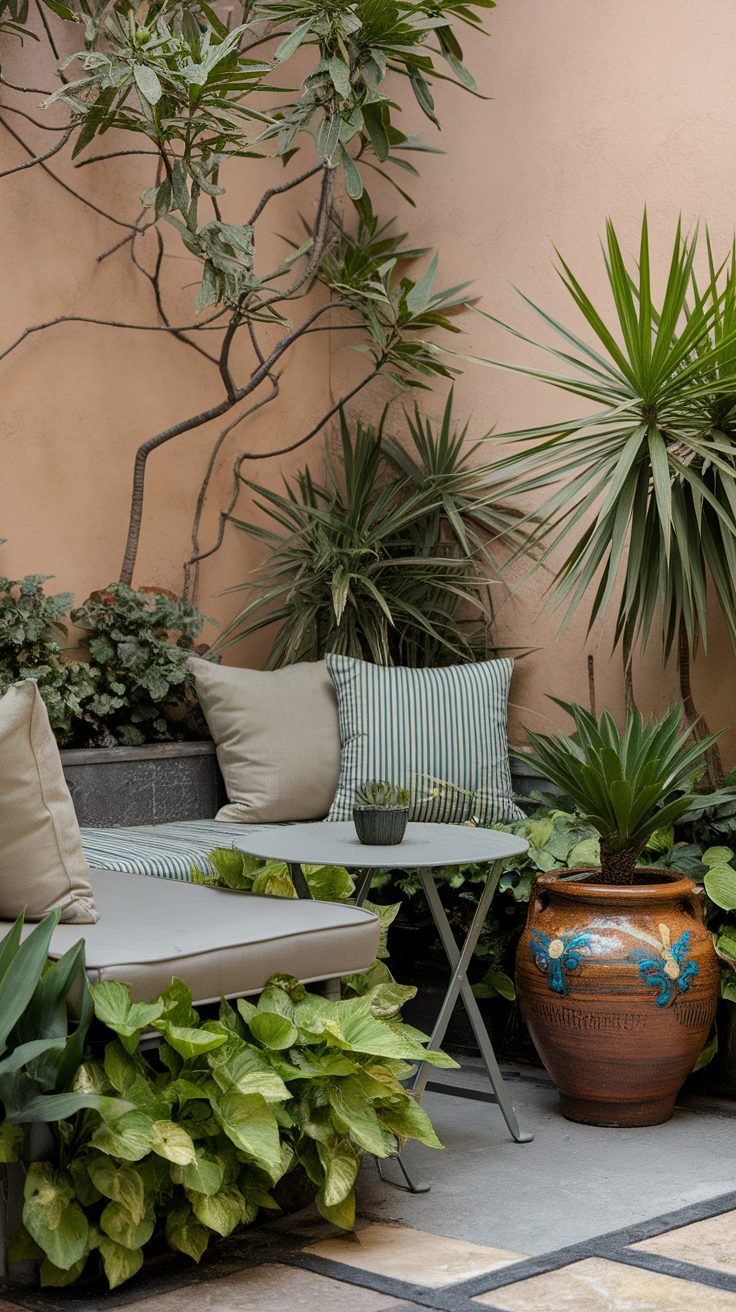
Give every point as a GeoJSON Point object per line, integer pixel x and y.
{"type": "Point", "coordinates": [404, 1253]}
{"type": "Point", "coordinates": [269, 1288]}
{"type": "Point", "coordinates": [710, 1243]}
{"type": "Point", "coordinates": [596, 1285]}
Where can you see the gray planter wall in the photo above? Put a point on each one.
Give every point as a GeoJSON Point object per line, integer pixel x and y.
{"type": "Point", "coordinates": [150, 785]}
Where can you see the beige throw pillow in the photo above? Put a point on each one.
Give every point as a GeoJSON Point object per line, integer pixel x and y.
{"type": "Point", "coordinates": [42, 865]}
{"type": "Point", "coordinates": [277, 738]}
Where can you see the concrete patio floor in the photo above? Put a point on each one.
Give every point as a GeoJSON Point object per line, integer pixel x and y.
{"type": "Point", "coordinates": [582, 1218]}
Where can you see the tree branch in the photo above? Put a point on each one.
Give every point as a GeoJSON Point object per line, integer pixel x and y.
{"type": "Point", "coordinates": [65, 186]}
{"type": "Point", "coordinates": [196, 421]}
{"type": "Point", "coordinates": [191, 566]}
{"type": "Point", "coordinates": [44, 127]}
{"type": "Point", "coordinates": [113, 154]}
{"type": "Point", "coordinates": [38, 159]}
{"type": "Point", "coordinates": [205, 325]}
{"type": "Point", "coordinates": [278, 191]}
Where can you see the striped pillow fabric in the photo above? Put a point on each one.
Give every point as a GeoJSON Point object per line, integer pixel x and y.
{"type": "Point", "coordinates": [441, 733]}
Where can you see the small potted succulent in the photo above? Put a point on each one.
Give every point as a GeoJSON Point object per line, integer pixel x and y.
{"type": "Point", "coordinates": [381, 812]}
{"type": "Point", "coordinates": [616, 973]}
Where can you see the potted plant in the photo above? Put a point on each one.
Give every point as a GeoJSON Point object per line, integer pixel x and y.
{"type": "Point", "coordinates": [381, 813]}
{"type": "Point", "coordinates": [616, 973]}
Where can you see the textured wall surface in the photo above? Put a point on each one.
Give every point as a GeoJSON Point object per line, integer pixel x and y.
{"type": "Point", "coordinates": [596, 109]}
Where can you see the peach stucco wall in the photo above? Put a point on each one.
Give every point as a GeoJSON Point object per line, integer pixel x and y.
{"type": "Point", "coordinates": [597, 109]}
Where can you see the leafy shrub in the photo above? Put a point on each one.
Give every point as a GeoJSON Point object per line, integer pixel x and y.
{"type": "Point", "coordinates": [134, 688]}
{"type": "Point", "coordinates": [140, 642]}
{"type": "Point", "coordinates": [40, 1046]}
{"type": "Point", "coordinates": [216, 1116]}
{"type": "Point", "coordinates": [31, 634]}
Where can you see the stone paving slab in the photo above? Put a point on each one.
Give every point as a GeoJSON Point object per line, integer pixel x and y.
{"type": "Point", "coordinates": [462, 1247]}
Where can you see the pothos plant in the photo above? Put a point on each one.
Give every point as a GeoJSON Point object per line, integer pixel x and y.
{"type": "Point", "coordinates": [206, 97]}
{"type": "Point", "coordinates": [215, 1117]}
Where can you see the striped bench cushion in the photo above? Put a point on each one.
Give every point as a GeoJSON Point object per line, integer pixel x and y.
{"type": "Point", "coordinates": [166, 851]}
{"type": "Point", "coordinates": [441, 733]}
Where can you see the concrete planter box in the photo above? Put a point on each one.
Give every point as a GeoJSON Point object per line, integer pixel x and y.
{"type": "Point", "coordinates": [525, 781]}
{"type": "Point", "coordinates": [149, 785]}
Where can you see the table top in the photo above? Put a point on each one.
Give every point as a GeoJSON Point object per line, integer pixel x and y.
{"type": "Point", "coordinates": [424, 845]}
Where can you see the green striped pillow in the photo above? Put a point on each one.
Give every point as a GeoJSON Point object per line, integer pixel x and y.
{"type": "Point", "coordinates": [440, 733]}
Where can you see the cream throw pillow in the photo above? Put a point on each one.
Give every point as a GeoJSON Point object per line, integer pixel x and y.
{"type": "Point", "coordinates": [42, 865]}
{"type": "Point", "coordinates": [277, 738]}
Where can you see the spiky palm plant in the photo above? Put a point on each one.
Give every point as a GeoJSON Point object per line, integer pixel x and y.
{"type": "Point", "coordinates": [385, 559]}
{"type": "Point", "coordinates": [624, 784]}
{"type": "Point", "coordinates": [641, 492]}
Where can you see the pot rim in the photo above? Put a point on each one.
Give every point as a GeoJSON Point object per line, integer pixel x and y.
{"type": "Point", "coordinates": [572, 884]}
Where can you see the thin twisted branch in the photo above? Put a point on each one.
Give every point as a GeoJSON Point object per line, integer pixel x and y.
{"type": "Point", "coordinates": [38, 159]}
{"type": "Point", "coordinates": [206, 325]}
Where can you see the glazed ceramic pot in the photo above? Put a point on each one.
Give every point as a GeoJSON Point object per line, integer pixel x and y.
{"type": "Point", "coordinates": [381, 826]}
{"type": "Point", "coordinates": [618, 986]}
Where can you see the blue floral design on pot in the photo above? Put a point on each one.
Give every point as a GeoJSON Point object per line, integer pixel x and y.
{"type": "Point", "coordinates": [667, 968]}
{"type": "Point", "coordinates": [557, 956]}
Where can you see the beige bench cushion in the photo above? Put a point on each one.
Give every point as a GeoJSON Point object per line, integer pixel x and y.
{"type": "Point", "coordinates": [219, 943]}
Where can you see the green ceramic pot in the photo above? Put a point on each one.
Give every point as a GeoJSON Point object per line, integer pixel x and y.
{"type": "Point", "coordinates": [380, 826]}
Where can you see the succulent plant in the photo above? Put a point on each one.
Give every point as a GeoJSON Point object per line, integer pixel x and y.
{"type": "Point", "coordinates": [381, 795]}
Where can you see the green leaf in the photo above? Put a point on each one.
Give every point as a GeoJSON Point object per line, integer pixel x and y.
{"type": "Point", "coordinates": [341, 1161]}
{"type": "Point", "coordinates": [172, 1142]}
{"type": "Point", "coordinates": [131, 1138]}
{"type": "Point", "coordinates": [52, 1218]}
{"type": "Point", "coordinates": [202, 1176]}
{"type": "Point", "coordinates": [185, 1233]}
{"type": "Point", "coordinates": [148, 84]}
{"type": "Point", "coordinates": [120, 1263]}
{"type": "Point", "coordinates": [118, 1224]}
{"type": "Point", "coordinates": [250, 1124]}
{"type": "Point", "coordinates": [291, 43]}
{"type": "Point", "coordinates": [273, 1031]}
{"type": "Point", "coordinates": [121, 1184]}
{"type": "Point", "coordinates": [720, 885]}
{"type": "Point", "coordinates": [220, 1212]}
{"type": "Point", "coordinates": [190, 1043]}
{"type": "Point", "coordinates": [716, 856]}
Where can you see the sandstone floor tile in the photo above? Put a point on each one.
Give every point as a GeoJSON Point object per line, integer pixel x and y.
{"type": "Point", "coordinates": [271, 1288]}
{"type": "Point", "coordinates": [710, 1243]}
{"type": "Point", "coordinates": [414, 1255]}
{"type": "Point", "coordinates": [596, 1285]}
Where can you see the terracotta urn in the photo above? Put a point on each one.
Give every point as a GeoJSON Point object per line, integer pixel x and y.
{"type": "Point", "coordinates": [618, 985]}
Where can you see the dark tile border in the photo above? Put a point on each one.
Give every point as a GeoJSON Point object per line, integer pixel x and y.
{"type": "Point", "coordinates": [285, 1246]}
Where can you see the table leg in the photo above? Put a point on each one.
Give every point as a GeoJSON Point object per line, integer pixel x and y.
{"type": "Point", "coordinates": [459, 986]}
{"type": "Point", "coordinates": [298, 880]}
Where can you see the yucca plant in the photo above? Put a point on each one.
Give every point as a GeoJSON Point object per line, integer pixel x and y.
{"type": "Point", "coordinates": [387, 559]}
{"type": "Point", "coordinates": [644, 485]}
{"type": "Point", "coordinates": [626, 784]}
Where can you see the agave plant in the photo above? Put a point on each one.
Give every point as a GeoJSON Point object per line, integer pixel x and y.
{"type": "Point", "coordinates": [387, 559]}
{"type": "Point", "coordinates": [625, 785]}
{"type": "Point", "coordinates": [644, 485]}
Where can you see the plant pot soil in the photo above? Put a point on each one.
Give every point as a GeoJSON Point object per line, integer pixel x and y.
{"type": "Point", "coordinates": [618, 986]}
{"type": "Point", "coordinates": [381, 826]}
